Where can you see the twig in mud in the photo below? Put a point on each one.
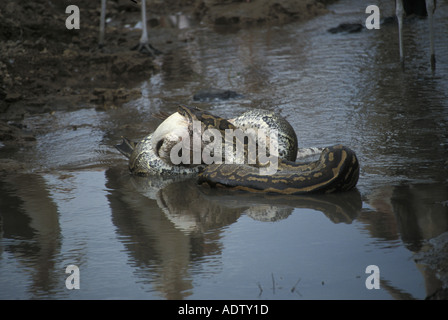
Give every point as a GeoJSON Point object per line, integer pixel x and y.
{"type": "Point", "coordinates": [261, 289]}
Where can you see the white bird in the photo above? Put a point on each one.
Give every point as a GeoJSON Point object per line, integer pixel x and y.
{"type": "Point", "coordinates": [143, 45]}
{"type": "Point", "coordinates": [419, 7]}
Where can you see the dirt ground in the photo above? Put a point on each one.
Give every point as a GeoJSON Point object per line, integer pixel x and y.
{"type": "Point", "coordinates": [45, 67]}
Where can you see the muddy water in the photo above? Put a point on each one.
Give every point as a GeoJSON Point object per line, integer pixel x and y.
{"type": "Point", "coordinates": [135, 238]}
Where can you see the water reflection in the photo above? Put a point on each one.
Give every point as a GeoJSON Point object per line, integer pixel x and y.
{"type": "Point", "coordinates": [30, 232]}
{"type": "Point", "coordinates": [338, 208]}
{"type": "Point", "coordinates": [181, 225]}
{"type": "Point", "coordinates": [168, 224]}
{"type": "Point", "coordinates": [416, 214]}
{"type": "Point", "coordinates": [165, 228]}
{"type": "Point", "coordinates": [172, 228]}
{"type": "Point", "coordinates": [419, 212]}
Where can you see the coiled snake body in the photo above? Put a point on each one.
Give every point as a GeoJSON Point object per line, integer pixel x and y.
{"type": "Point", "coordinates": [337, 169]}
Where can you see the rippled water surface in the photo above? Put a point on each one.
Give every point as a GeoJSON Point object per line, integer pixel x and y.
{"type": "Point", "coordinates": [135, 238]}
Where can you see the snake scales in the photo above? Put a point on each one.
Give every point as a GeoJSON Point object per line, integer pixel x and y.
{"type": "Point", "coordinates": [337, 169]}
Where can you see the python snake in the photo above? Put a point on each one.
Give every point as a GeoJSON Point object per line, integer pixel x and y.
{"type": "Point", "coordinates": [337, 169]}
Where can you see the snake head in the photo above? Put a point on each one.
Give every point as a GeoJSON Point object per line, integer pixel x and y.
{"type": "Point", "coordinates": [190, 113]}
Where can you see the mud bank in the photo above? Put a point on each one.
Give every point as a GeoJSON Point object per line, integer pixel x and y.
{"type": "Point", "coordinates": [44, 66]}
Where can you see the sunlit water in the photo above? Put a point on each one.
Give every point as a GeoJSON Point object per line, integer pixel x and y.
{"type": "Point", "coordinates": [135, 238]}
